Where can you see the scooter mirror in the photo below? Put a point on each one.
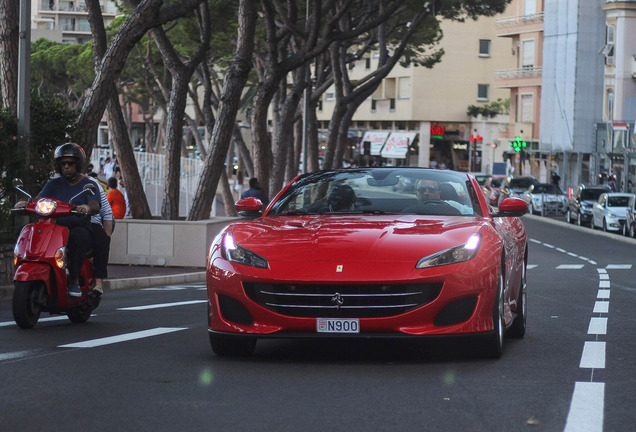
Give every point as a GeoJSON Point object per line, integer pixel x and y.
{"type": "Point", "coordinates": [17, 183]}
{"type": "Point", "coordinates": [89, 189]}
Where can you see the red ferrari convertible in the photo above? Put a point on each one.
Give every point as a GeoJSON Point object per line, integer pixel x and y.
{"type": "Point", "coordinates": [345, 253]}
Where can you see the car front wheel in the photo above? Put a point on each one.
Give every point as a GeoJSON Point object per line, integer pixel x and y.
{"type": "Point", "coordinates": [494, 344]}
{"type": "Point", "coordinates": [518, 327]}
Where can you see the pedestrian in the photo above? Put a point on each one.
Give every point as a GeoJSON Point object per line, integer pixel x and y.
{"type": "Point", "coordinates": [255, 191]}
{"type": "Point", "coordinates": [612, 183]}
{"type": "Point", "coordinates": [238, 185]}
{"type": "Point", "coordinates": [116, 199]}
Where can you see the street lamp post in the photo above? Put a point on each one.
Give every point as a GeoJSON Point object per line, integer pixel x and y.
{"type": "Point", "coordinates": [24, 75]}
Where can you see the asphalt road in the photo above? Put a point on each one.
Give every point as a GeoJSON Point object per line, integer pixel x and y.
{"type": "Point", "coordinates": [143, 363]}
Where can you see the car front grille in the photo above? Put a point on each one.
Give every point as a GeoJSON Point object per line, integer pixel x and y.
{"type": "Point", "coordinates": [342, 301]}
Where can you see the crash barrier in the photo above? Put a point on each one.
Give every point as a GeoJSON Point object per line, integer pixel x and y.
{"type": "Point", "coordinates": [172, 243]}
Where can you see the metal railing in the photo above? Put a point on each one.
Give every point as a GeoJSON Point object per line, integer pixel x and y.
{"type": "Point", "coordinates": [516, 20]}
{"type": "Point", "coordinates": [151, 168]}
{"type": "Point", "coordinates": [525, 72]}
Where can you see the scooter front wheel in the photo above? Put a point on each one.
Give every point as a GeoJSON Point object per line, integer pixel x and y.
{"type": "Point", "coordinates": [27, 301]}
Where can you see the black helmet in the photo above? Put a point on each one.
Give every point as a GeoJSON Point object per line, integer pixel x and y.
{"type": "Point", "coordinates": [70, 150]}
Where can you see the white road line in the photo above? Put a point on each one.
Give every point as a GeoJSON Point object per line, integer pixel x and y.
{"type": "Point", "coordinates": [531, 266]}
{"type": "Point", "coordinates": [619, 266]}
{"type": "Point", "coordinates": [601, 307]}
{"type": "Point", "coordinates": [603, 294]}
{"type": "Point", "coordinates": [123, 338]}
{"type": "Point", "coordinates": [598, 326]}
{"type": "Point", "coordinates": [14, 355]}
{"type": "Point", "coordinates": [48, 319]}
{"type": "Point", "coordinates": [604, 284]}
{"type": "Point", "coordinates": [161, 305]}
{"type": "Point", "coordinates": [586, 409]}
{"type": "Point", "coordinates": [593, 355]}
{"type": "Point", "coordinates": [570, 266]}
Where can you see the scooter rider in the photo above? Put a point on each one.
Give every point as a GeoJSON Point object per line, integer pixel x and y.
{"type": "Point", "coordinates": [69, 160]}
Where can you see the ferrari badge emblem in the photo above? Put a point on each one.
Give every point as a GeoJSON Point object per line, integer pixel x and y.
{"type": "Point", "coordinates": [339, 268]}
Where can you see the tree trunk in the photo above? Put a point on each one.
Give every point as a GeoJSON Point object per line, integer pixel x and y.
{"type": "Point", "coordinates": [137, 201]}
{"type": "Point", "coordinates": [9, 48]}
{"type": "Point", "coordinates": [235, 81]}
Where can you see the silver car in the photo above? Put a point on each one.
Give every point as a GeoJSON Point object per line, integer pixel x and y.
{"type": "Point", "coordinates": [546, 198]}
{"type": "Point", "coordinates": [610, 211]}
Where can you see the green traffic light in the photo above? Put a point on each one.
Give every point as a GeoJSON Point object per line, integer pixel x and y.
{"type": "Point", "coordinates": [518, 144]}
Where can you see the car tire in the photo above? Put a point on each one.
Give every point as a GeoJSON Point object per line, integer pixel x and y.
{"type": "Point", "coordinates": [530, 208]}
{"type": "Point", "coordinates": [632, 234]}
{"type": "Point", "coordinates": [568, 217]}
{"type": "Point", "coordinates": [625, 232]}
{"type": "Point", "coordinates": [494, 344]}
{"type": "Point", "coordinates": [223, 345]}
{"type": "Point", "coordinates": [518, 327]}
{"type": "Point", "coordinates": [604, 225]}
{"type": "Point", "coordinates": [579, 222]}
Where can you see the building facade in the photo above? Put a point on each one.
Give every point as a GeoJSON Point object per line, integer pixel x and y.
{"type": "Point", "coordinates": [428, 107]}
{"type": "Point", "coordinates": [66, 21]}
{"type": "Point", "coordinates": [616, 133]}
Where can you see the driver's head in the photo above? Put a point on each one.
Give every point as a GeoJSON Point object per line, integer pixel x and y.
{"type": "Point", "coordinates": [341, 197]}
{"type": "Point", "coordinates": [69, 159]}
{"type": "Point", "coordinates": [427, 190]}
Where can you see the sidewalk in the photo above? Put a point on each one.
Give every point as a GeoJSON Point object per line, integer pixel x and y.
{"type": "Point", "coordinates": [134, 277]}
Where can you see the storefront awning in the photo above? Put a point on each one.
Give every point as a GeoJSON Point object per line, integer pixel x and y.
{"type": "Point", "coordinates": [397, 145]}
{"type": "Point", "coordinates": [377, 139]}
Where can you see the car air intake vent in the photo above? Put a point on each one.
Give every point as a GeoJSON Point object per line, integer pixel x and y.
{"type": "Point", "coordinates": [342, 301]}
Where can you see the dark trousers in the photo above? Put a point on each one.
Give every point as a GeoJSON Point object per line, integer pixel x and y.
{"type": "Point", "coordinates": [80, 240]}
{"type": "Point", "coordinates": [101, 250]}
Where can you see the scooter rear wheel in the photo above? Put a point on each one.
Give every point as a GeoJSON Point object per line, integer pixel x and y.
{"type": "Point", "coordinates": [26, 303]}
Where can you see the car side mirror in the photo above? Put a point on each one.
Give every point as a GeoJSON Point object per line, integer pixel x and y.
{"type": "Point", "coordinates": [512, 207]}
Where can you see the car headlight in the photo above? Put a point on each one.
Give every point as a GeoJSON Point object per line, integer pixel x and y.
{"type": "Point", "coordinates": [457, 254]}
{"type": "Point", "coordinates": [45, 207]}
{"type": "Point", "coordinates": [238, 254]}
{"type": "Point", "coordinates": [612, 215]}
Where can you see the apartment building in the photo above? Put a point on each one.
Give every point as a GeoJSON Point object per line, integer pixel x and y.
{"type": "Point", "coordinates": [427, 108]}
{"type": "Point", "coordinates": [65, 21]}
{"type": "Point", "coordinates": [522, 28]}
{"type": "Point", "coordinates": [616, 133]}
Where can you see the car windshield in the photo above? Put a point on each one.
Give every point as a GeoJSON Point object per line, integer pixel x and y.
{"type": "Point", "coordinates": [521, 183]}
{"type": "Point", "coordinates": [546, 189]}
{"type": "Point", "coordinates": [618, 201]}
{"type": "Point", "coordinates": [591, 194]}
{"type": "Point", "coordinates": [379, 191]}
{"type": "Point", "coordinates": [496, 182]}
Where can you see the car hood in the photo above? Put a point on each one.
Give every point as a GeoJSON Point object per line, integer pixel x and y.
{"type": "Point", "coordinates": [618, 211]}
{"type": "Point", "coordinates": [330, 238]}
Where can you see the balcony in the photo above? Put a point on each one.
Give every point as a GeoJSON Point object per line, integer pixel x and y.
{"type": "Point", "coordinates": [511, 26]}
{"type": "Point", "coordinates": [521, 77]}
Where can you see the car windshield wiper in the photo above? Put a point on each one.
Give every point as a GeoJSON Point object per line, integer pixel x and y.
{"type": "Point", "coordinates": [373, 211]}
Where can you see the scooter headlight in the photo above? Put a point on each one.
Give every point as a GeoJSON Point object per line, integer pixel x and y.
{"type": "Point", "coordinates": [45, 207]}
{"type": "Point", "coordinates": [60, 257]}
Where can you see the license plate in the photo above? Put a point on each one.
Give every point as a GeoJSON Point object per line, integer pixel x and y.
{"type": "Point", "coordinates": [337, 325]}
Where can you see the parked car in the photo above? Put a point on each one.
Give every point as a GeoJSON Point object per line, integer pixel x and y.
{"type": "Point", "coordinates": [581, 202]}
{"type": "Point", "coordinates": [546, 198]}
{"type": "Point", "coordinates": [629, 227]}
{"type": "Point", "coordinates": [495, 185]}
{"type": "Point", "coordinates": [340, 253]}
{"type": "Point", "coordinates": [516, 187]}
{"type": "Point", "coordinates": [610, 211]}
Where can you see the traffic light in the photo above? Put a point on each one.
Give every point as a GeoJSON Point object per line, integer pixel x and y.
{"type": "Point", "coordinates": [518, 144]}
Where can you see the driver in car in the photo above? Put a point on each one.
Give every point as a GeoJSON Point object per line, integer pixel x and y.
{"type": "Point", "coordinates": [430, 201]}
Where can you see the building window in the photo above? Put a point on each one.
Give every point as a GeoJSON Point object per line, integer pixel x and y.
{"type": "Point", "coordinates": [484, 47]}
{"type": "Point", "coordinates": [527, 59]}
{"type": "Point", "coordinates": [482, 92]}
{"type": "Point", "coordinates": [609, 114]}
{"type": "Point", "coordinates": [527, 108]}
{"type": "Point", "coordinates": [404, 87]}
{"type": "Point", "coordinates": [608, 49]}
{"type": "Point", "coordinates": [330, 96]}
{"type": "Point", "coordinates": [529, 7]}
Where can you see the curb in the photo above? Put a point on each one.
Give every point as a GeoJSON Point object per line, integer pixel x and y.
{"type": "Point", "coordinates": [6, 291]}
{"type": "Point", "coordinates": [152, 281]}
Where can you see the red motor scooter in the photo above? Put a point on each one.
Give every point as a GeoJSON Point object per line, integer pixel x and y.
{"type": "Point", "coordinates": [40, 280]}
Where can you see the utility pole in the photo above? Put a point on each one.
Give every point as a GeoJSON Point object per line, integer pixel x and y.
{"type": "Point", "coordinates": [24, 76]}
